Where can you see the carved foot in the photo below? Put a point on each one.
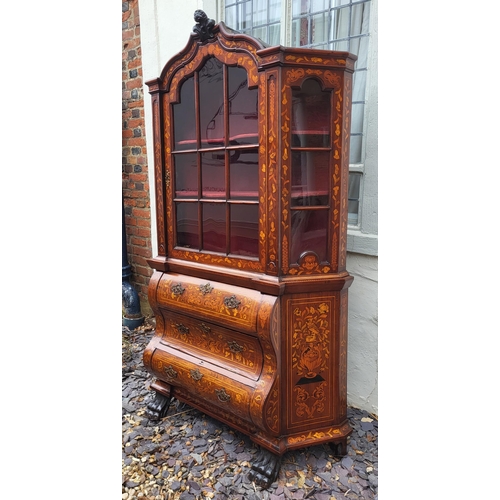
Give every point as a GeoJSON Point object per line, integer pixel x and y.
{"type": "Point", "coordinates": [158, 407]}
{"type": "Point", "coordinates": [339, 449]}
{"type": "Point", "coordinates": [265, 469]}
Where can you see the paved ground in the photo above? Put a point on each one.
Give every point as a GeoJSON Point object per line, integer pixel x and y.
{"type": "Point", "coordinates": [190, 456]}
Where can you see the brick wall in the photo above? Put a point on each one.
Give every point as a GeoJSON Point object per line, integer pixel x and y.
{"type": "Point", "coordinates": [135, 184]}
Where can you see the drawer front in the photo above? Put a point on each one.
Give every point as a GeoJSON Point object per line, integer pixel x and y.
{"type": "Point", "coordinates": [235, 351]}
{"type": "Point", "coordinates": [202, 381]}
{"type": "Point", "coordinates": [226, 305]}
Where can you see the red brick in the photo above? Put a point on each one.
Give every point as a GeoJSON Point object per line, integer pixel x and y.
{"type": "Point", "coordinates": [135, 122]}
{"type": "Point", "coordinates": [141, 242]}
{"type": "Point", "coordinates": [136, 141]}
{"type": "Point", "coordinates": [135, 83]}
{"type": "Point", "coordinates": [138, 212]}
{"type": "Point", "coordinates": [144, 252]}
{"type": "Point", "coordinates": [135, 63]}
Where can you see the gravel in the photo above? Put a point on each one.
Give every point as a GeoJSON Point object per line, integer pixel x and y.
{"type": "Point", "coordinates": [191, 456]}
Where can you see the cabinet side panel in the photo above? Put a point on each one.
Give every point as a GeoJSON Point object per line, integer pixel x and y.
{"type": "Point", "coordinates": [311, 389]}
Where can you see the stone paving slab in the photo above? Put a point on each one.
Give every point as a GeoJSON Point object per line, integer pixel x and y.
{"type": "Point", "coordinates": [191, 456]}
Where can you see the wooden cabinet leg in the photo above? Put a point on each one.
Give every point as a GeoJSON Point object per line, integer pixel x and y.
{"type": "Point", "coordinates": [339, 448]}
{"type": "Point", "coordinates": [265, 468]}
{"type": "Point", "coordinates": [158, 407]}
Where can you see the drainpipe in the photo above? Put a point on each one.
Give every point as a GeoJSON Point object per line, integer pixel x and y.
{"type": "Point", "coordinates": [131, 306]}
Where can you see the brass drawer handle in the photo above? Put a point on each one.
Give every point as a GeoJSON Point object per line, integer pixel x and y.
{"type": "Point", "coordinates": [232, 302]}
{"type": "Point", "coordinates": [170, 372]}
{"type": "Point", "coordinates": [204, 289]}
{"type": "Point", "coordinates": [196, 375]}
{"type": "Point", "coordinates": [177, 289]}
{"type": "Point", "coordinates": [234, 346]}
{"type": "Point", "coordinates": [205, 328]}
{"type": "Point", "coordinates": [222, 395]}
{"type": "Point", "coordinates": [182, 329]}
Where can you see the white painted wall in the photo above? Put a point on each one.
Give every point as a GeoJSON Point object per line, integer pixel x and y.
{"type": "Point", "coordinates": [165, 29]}
{"type": "Point", "coordinates": [362, 354]}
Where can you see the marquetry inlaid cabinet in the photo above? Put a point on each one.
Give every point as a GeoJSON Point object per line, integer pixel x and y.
{"type": "Point", "coordinates": [251, 149]}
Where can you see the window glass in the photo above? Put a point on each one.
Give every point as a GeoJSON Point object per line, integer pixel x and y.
{"type": "Point", "coordinates": [211, 104]}
{"type": "Point", "coordinates": [243, 123]}
{"type": "Point", "coordinates": [245, 230]}
{"type": "Point", "coordinates": [186, 175]}
{"type": "Point", "coordinates": [184, 117]}
{"type": "Point", "coordinates": [214, 227]}
{"type": "Point", "coordinates": [187, 224]}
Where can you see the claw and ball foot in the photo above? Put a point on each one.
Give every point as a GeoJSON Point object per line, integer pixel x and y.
{"type": "Point", "coordinates": [158, 407]}
{"type": "Point", "coordinates": [265, 469]}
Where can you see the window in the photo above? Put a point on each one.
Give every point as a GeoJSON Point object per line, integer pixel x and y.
{"type": "Point", "coordinates": [323, 24]}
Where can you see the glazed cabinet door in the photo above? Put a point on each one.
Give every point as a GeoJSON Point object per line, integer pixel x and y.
{"type": "Point", "coordinates": [215, 165]}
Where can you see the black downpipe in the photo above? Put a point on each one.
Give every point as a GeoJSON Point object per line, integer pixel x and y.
{"type": "Point", "coordinates": [131, 305]}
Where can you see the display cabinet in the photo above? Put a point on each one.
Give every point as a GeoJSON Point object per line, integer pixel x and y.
{"type": "Point", "coordinates": [250, 288]}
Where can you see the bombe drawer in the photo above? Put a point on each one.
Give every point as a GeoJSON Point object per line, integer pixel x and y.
{"type": "Point", "coordinates": [235, 351]}
{"type": "Point", "coordinates": [207, 383]}
{"type": "Point", "coordinates": [227, 305]}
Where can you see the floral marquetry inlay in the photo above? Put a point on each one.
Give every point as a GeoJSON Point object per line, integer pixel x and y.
{"type": "Point", "coordinates": [250, 287]}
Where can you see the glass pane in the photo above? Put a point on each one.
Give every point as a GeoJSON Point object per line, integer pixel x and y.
{"type": "Point", "coordinates": [274, 11]}
{"type": "Point", "coordinates": [319, 5]}
{"type": "Point", "coordinates": [186, 175]}
{"type": "Point", "coordinates": [310, 116]}
{"type": "Point", "coordinates": [184, 118]}
{"type": "Point", "coordinates": [211, 104]}
{"type": "Point", "coordinates": [296, 32]}
{"type": "Point", "coordinates": [274, 34]}
{"type": "Point", "coordinates": [187, 225]}
{"type": "Point", "coordinates": [319, 28]}
{"type": "Point", "coordinates": [244, 175]}
{"type": "Point", "coordinates": [231, 17]}
{"type": "Point", "coordinates": [360, 16]}
{"type": "Point", "coordinates": [243, 124]}
{"type": "Point", "coordinates": [340, 23]}
{"type": "Point", "coordinates": [359, 85]}
{"type": "Point", "coordinates": [353, 197]}
{"type": "Point", "coordinates": [299, 7]}
{"type": "Point", "coordinates": [214, 227]}
{"type": "Point", "coordinates": [245, 230]}
{"type": "Point", "coordinates": [213, 183]}
{"type": "Point", "coordinates": [260, 33]}
{"type": "Point", "coordinates": [357, 118]}
{"type": "Point", "coordinates": [310, 178]}
{"type": "Point", "coordinates": [309, 233]}
{"type": "Point", "coordinates": [355, 149]}
{"type": "Point", "coordinates": [259, 12]}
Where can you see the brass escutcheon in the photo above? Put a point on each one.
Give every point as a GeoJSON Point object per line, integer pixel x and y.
{"type": "Point", "coordinates": [222, 395]}
{"type": "Point", "coordinates": [182, 329]}
{"type": "Point", "coordinates": [170, 372]}
{"type": "Point", "coordinates": [196, 375]}
{"type": "Point", "coordinates": [205, 328]}
{"type": "Point", "coordinates": [207, 288]}
{"type": "Point", "coordinates": [232, 302]}
{"type": "Point", "coordinates": [234, 346]}
{"type": "Point", "coordinates": [177, 289]}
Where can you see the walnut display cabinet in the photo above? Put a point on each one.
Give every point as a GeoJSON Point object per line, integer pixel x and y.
{"type": "Point", "coordinates": [251, 152]}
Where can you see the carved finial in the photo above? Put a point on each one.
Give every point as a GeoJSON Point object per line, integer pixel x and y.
{"type": "Point", "coordinates": [203, 26]}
